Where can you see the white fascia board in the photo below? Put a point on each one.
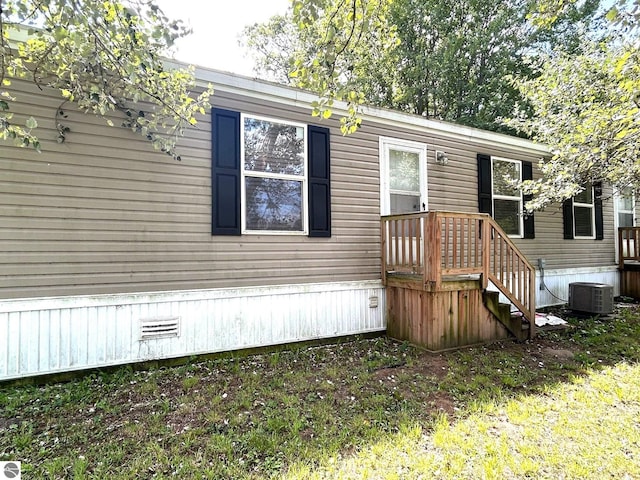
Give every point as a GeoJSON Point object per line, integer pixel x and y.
{"type": "Point", "coordinates": [270, 91]}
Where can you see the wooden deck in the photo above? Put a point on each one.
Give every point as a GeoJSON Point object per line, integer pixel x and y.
{"type": "Point", "coordinates": [438, 266]}
{"type": "Point", "coordinates": [629, 261]}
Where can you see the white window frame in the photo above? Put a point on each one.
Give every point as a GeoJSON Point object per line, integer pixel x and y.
{"type": "Point", "coordinates": [592, 206]}
{"type": "Point", "coordinates": [304, 179]}
{"type": "Point", "coordinates": [389, 143]}
{"type": "Point", "coordinates": [519, 198]}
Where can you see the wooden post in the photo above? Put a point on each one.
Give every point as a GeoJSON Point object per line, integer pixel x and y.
{"type": "Point", "coordinates": [620, 250]}
{"type": "Point", "coordinates": [433, 249]}
{"type": "Point", "coordinates": [426, 232]}
{"type": "Point", "coordinates": [419, 246]}
{"type": "Point", "coordinates": [532, 303]}
{"type": "Point", "coordinates": [486, 252]}
{"type": "Point", "coordinates": [469, 241]}
{"type": "Point", "coordinates": [412, 260]}
{"type": "Point", "coordinates": [383, 249]}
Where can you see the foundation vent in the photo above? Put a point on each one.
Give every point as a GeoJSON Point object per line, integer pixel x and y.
{"type": "Point", "coordinates": [159, 327]}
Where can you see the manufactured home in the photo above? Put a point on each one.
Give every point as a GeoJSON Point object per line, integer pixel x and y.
{"type": "Point", "coordinates": [276, 228]}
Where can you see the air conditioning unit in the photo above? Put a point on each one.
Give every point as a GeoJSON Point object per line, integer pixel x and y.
{"type": "Point", "coordinates": [591, 297]}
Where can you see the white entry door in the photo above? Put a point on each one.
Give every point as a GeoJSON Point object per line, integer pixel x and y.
{"type": "Point", "coordinates": [403, 176]}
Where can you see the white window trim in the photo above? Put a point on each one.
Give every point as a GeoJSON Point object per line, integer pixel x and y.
{"type": "Point", "coordinates": [303, 179]}
{"type": "Point", "coordinates": [592, 206]}
{"type": "Point", "coordinates": [386, 143]}
{"type": "Point", "coordinates": [519, 198]}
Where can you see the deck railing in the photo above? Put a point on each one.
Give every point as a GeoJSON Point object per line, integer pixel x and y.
{"type": "Point", "coordinates": [437, 245]}
{"type": "Point", "coordinates": [628, 246]}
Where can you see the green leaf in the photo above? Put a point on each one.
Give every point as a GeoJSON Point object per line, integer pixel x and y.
{"type": "Point", "coordinates": [31, 123]}
{"type": "Point", "coordinates": [612, 14]}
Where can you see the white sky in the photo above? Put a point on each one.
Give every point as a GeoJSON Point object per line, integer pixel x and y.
{"type": "Point", "coordinates": [216, 26]}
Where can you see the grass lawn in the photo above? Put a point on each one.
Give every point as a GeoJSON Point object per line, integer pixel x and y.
{"type": "Point", "coordinates": [566, 405]}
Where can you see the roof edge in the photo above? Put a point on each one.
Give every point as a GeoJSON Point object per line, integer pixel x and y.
{"type": "Point", "coordinates": [254, 87]}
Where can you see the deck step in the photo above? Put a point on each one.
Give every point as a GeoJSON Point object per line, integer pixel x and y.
{"type": "Point", "coordinates": [516, 324]}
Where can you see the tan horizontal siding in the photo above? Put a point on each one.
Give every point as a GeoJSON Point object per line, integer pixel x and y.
{"type": "Point", "coordinates": [560, 253]}
{"type": "Point", "coordinates": [105, 213]}
{"type": "Point", "coordinates": [454, 187]}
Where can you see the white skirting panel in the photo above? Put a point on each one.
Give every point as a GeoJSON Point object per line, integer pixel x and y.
{"type": "Point", "coordinates": [50, 335]}
{"type": "Point", "coordinates": [557, 282]}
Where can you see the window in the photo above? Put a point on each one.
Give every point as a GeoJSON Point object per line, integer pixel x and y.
{"type": "Point", "coordinates": [499, 197]}
{"type": "Point", "coordinates": [269, 176]}
{"type": "Point", "coordinates": [507, 198]}
{"type": "Point", "coordinates": [625, 204]}
{"type": "Point", "coordinates": [583, 214]}
{"type": "Point", "coordinates": [274, 175]}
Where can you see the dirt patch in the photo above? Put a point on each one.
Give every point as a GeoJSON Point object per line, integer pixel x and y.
{"type": "Point", "coordinates": [434, 364]}
{"type": "Point", "coordinates": [442, 402]}
{"type": "Point", "coordinates": [388, 374]}
{"type": "Point", "coordinates": [6, 423]}
{"type": "Point", "coordinates": [561, 354]}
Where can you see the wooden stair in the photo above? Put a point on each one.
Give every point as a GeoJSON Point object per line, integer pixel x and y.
{"type": "Point", "coordinates": [516, 324]}
{"type": "Point", "coordinates": [437, 266]}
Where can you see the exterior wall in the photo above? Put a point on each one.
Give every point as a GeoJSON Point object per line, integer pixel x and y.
{"type": "Point", "coordinates": [62, 334]}
{"type": "Point", "coordinates": [103, 213]}
{"type": "Point", "coordinates": [559, 253]}
{"type": "Point", "coordinates": [453, 187]}
{"type": "Point", "coordinates": [90, 228]}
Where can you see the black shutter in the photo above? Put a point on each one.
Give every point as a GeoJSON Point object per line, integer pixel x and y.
{"type": "Point", "coordinates": [567, 218]}
{"type": "Point", "coordinates": [319, 182]}
{"type": "Point", "coordinates": [485, 202]}
{"type": "Point", "coordinates": [529, 223]}
{"type": "Point", "coordinates": [225, 172]}
{"type": "Point", "coordinates": [597, 204]}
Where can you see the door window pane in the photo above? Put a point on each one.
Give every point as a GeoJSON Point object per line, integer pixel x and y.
{"type": "Point", "coordinates": [403, 176]}
{"type": "Point", "coordinates": [625, 208]}
{"type": "Point", "coordinates": [404, 170]}
{"type": "Point", "coordinates": [625, 202]}
{"type": "Point", "coordinates": [625, 219]}
{"type": "Point", "coordinates": [404, 203]}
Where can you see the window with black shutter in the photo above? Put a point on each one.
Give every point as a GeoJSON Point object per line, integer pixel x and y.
{"type": "Point", "coordinates": [269, 176]}
{"type": "Point", "coordinates": [582, 216]}
{"type": "Point", "coordinates": [500, 197]}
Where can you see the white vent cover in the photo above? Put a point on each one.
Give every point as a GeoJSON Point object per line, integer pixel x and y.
{"type": "Point", "coordinates": [159, 327]}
